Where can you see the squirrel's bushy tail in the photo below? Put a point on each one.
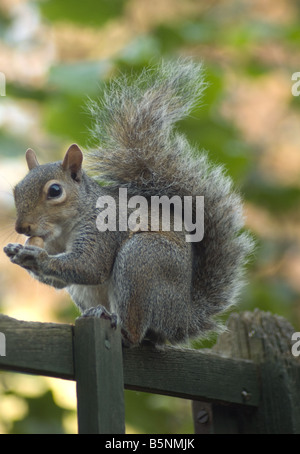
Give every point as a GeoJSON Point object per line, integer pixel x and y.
{"type": "Point", "coordinates": [134, 123]}
{"type": "Point", "coordinates": [139, 148]}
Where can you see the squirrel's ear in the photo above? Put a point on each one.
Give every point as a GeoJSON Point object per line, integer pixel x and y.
{"type": "Point", "coordinates": [73, 160]}
{"type": "Point", "coordinates": [31, 159]}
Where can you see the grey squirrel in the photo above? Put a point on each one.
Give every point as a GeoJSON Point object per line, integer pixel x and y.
{"type": "Point", "coordinates": [158, 285]}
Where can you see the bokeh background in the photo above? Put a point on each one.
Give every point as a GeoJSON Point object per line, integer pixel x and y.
{"type": "Point", "coordinates": [54, 54]}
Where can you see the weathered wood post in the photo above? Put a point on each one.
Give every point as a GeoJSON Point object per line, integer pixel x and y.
{"type": "Point", "coordinates": [99, 377]}
{"type": "Point", "coordinates": [265, 339]}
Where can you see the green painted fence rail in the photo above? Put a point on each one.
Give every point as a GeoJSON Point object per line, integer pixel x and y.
{"type": "Point", "coordinates": [248, 383]}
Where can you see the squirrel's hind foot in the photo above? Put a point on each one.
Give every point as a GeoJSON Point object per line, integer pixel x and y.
{"type": "Point", "coordinates": [101, 312]}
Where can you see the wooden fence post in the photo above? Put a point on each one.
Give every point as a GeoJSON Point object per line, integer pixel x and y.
{"type": "Point", "coordinates": [99, 377]}
{"type": "Point", "coordinates": [265, 339]}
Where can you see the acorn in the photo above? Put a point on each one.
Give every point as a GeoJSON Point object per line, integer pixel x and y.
{"type": "Point", "coordinates": [35, 241]}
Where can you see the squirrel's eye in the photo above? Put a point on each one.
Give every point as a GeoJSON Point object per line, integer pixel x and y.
{"type": "Point", "coordinates": [55, 190]}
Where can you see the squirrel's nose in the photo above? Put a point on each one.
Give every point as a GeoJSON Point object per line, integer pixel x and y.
{"type": "Point", "coordinates": [23, 227]}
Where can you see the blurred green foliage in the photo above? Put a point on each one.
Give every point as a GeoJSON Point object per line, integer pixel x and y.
{"type": "Point", "coordinates": [219, 30]}
{"type": "Point", "coordinates": [90, 12]}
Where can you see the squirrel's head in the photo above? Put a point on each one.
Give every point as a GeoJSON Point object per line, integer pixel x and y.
{"type": "Point", "coordinates": [46, 198]}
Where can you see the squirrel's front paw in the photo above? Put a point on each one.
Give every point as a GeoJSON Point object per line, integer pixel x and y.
{"type": "Point", "coordinates": [12, 249]}
{"type": "Point", "coordinates": [29, 257]}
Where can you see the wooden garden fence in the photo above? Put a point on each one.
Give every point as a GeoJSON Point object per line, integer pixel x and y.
{"type": "Point", "coordinates": [248, 383]}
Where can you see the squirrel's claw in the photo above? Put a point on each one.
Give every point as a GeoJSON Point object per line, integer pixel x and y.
{"type": "Point", "coordinates": [25, 256]}
{"type": "Point", "coordinates": [101, 312]}
{"type": "Point", "coordinates": [12, 249]}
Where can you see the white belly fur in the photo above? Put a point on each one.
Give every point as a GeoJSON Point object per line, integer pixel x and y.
{"type": "Point", "coordinates": [86, 296]}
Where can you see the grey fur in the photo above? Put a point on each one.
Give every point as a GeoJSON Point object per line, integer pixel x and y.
{"type": "Point", "coordinates": [139, 148]}
{"type": "Point", "coordinates": [158, 285]}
